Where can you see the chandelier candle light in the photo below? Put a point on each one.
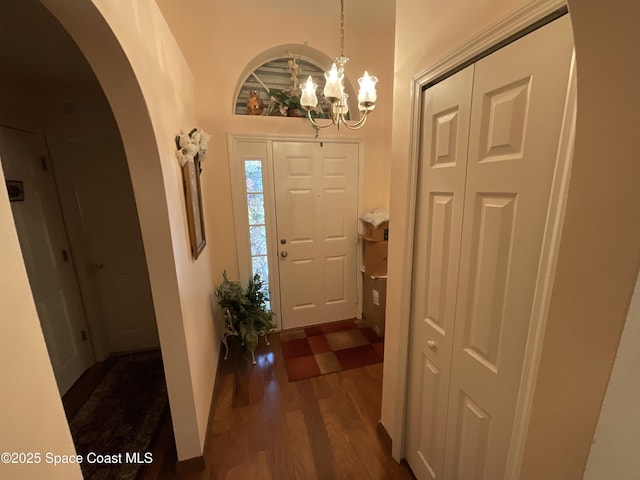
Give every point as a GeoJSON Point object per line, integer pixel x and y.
{"type": "Point", "coordinates": [335, 94]}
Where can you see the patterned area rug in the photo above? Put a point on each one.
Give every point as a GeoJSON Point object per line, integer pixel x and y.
{"type": "Point", "coordinates": [121, 416]}
{"type": "Point", "coordinates": [313, 351]}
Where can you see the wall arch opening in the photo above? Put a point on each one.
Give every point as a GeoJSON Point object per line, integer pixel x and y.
{"type": "Point", "coordinates": [268, 72]}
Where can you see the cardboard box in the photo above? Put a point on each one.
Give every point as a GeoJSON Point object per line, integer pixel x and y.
{"type": "Point", "coordinates": [375, 258]}
{"type": "Point", "coordinates": [374, 302]}
{"type": "Point", "coordinates": [376, 234]}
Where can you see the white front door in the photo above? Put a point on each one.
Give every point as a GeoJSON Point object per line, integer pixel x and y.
{"type": "Point", "coordinates": [517, 102]}
{"type": "Point", "coordinates": [47, 255]}
{"type": "Point", "coordinates": [92, 168]}
{"type": "Point", "coordinates": [316, 216]}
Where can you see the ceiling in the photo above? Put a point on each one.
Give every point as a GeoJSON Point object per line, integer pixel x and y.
{"type": "Point", "coordinates": [34, 47]}
{"type": "Point", "coordinates": [371, 13]}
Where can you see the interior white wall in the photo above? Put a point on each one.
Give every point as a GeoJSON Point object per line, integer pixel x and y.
{"type": "Point", "coordinates": [614, 452]}
{"type": "Point", "coordinates": [150, 90]}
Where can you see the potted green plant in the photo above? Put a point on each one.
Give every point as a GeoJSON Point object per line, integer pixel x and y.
{"type": "Point", "coordinates": [246, 314]}
{"type": "Point", "coordinates": [285, 103]}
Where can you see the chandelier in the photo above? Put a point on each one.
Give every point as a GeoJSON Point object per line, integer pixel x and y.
{"type": "Point", "coordinates": [335, 94]}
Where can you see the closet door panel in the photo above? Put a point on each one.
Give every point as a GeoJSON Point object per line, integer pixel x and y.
{"type": "Point", "coordinates": [442, 171]}
{"type": "Point", "coordinates": [518, 100]}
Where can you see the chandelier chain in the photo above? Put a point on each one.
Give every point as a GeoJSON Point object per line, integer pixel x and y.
{"type": "Point", "coordinates": [335, 94]}
{"type": "Point", "coordinates": [342, 28]}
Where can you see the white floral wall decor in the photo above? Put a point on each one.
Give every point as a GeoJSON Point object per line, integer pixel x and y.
{"type": "Point", "coordinates": [192, 145]}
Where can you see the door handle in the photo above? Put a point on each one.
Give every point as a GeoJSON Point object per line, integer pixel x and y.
{"type": "Point", "coordinates": [283, 253]}
{"type": "Point", "coordinates": [283, 241]}
{"type": "Point", "coordinates": [432, 345]}
{"type": "Point", "coordinates": [97, 266]}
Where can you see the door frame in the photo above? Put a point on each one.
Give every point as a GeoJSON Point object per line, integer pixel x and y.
{"type": "Point", "coordinates": [261, 146]}
{"type": "Point", "coordinates": [521, 22]}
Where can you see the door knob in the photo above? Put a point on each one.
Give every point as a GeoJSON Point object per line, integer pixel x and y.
{"type": "Point", "coordinates": [432, 345]}
{"type": "Point", "coordinates": [97, 266]}
{"type": "Point", "coordinates": [283, 241]}
{"type": "Point", "coordinates": [283, 253]}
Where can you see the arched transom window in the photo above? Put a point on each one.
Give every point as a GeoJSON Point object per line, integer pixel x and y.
{"type": "Point", "coordinates": [273, 89]}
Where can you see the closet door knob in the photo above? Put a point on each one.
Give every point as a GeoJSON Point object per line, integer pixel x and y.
{"type": "Point", "coordinates": [432, 345]}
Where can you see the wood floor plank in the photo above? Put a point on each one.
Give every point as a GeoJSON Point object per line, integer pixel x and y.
{"type": "Point", "coordinates": [364, 395]}
{"type": "Point", "coordinates": [261, 468]}
{"type": "Point", "coordinates": [364, 435]}
{"type": "Point", "coordinates": [303, 462]}
{"type": "Point", "coordinates": [348, 464]}
{"type": "Point", "coordinates": [238, 472]}
{"type": "Point", "coordinates": [320, 444]}
{"type": "Point", "coordinates": [325, 386]}
{"type": "Point", "coordinates": [224, 403]}
{"type": "Point", "coordinates": [242, 384]}
{"type": "Point", "coordinates": [353, 418]}
{"type": "Point", "coordinates": [281, 460]}
{"type": "Point", "coordinates": [255, 467]}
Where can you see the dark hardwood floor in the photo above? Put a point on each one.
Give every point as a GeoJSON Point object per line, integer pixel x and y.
{"type": "Point", "coordinates": [263, 427]}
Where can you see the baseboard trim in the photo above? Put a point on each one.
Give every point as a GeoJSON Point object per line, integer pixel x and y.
{"type": "Point", "coordinates": [195, 464]}
{"type": "Point", "coordinates": [384, 436]}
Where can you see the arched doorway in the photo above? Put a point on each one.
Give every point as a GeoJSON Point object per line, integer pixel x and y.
{"type": "Point", "coordinates": [77, 219]}
{"type": "Point", "coordinates": [87, 25]}
{"type": "Point", "coordinates": [130, 50]}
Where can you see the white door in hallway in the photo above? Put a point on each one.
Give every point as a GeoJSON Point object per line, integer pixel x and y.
{"type": "Point", "coordinates": [92, 171]}
{"type": "Point", "coordinates": [479, 324]}
{"type": "Point", "coordinates": [316, 216]}
{"type": "Point", "coordinates": [47, 255]}
{"type": "Point", "coordinates": [442, 172]}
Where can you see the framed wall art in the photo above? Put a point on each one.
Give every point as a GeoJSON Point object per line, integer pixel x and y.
{"type": "Point", "coordinates": [193, 195]}
{"type": "Point", "coordinates": [191, 152]}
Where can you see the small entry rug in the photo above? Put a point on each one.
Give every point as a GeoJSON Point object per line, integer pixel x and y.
{"type": "Point", "coordinates": [333, 347]}
{"type": "Point", "coordinates": [121, 415]}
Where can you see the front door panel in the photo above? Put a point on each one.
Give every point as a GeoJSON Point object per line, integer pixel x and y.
{"type": "Point", "coordinates": [316, 205]}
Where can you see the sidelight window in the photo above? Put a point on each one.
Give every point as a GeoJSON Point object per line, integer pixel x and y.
{"type": "Point", "coordinates": [253, 174]}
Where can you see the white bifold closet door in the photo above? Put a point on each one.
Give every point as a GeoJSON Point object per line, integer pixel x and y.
{"type": "Point", "coordinates": [488, 152]}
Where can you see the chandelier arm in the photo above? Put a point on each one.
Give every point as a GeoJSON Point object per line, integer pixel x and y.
{"type": "Point", "coordinates": [357, 125]}
{"type": "Point", "coordinates": [317, 125]}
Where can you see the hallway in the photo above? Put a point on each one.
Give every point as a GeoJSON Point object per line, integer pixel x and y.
{"type": "Point", "coordinates": [263, 427]}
